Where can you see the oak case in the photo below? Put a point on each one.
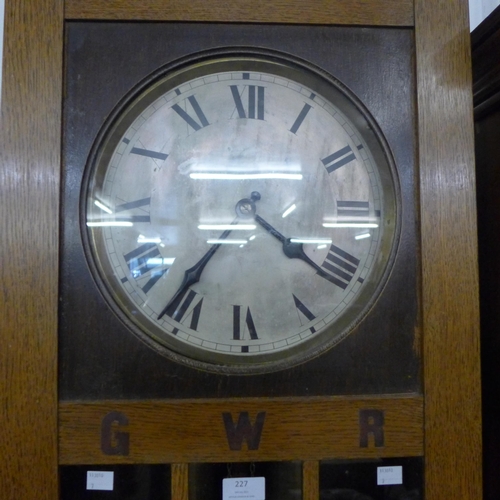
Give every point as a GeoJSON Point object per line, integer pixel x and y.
{"type": "Point", "coordinates": [30, 153]}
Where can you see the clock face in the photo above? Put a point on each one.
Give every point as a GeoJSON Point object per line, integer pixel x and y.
{"type": "Point", "coordinates": [240, 212]}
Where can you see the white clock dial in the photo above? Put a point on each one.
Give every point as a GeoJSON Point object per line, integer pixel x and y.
{"type": "Point", "coordinates": [242, 213]}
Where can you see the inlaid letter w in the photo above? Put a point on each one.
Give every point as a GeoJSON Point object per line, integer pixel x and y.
{"type": "Point", "coordinates": [243, 430]}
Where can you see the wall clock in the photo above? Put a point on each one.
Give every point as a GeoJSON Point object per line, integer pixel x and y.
{"type": "Point", "coordinates": [193, 186]}
{"type": "Point", "coordinates": [118, 401]}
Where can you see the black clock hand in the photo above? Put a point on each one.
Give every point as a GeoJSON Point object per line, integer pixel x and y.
{"type": "Point", "coordinates": [193, 274]}
{"type": "Point", "coordinates": [292, 249]}
{"type": "Point", "coordinates": [270, 229]}
{"type": "Point", "coordinates": [244, 208]}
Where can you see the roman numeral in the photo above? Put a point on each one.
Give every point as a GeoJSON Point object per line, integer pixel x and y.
{"type": "Point", "coordinates": [202, 120]}
{"type": "Point", "coordinates": [300, 118]}
{"type": "Point", "coordinates": [150, 154]}
{"type": "Point", "coordinates": [339, 267]}
{"type": "Point", "coordinates": [301, 308]}
{"type": "Point", "coordinates": [238, 332]}
{"type": "Point", "coordinates": [143, 260]}
{"type": "Point", "coordinates": [338, 159]}
{"type": "Point", "coordinates": [255, 108]}
{"type": "Point", "coordinates": [353, 209]}
{"type": "Point", "coordinates": [132, 205]}
{"type": "Point", "coordinates": [186, 305]}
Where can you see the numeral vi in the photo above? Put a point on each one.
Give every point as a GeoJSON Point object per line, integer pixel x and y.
{"type": "Point", "coordinates": [238, 331]}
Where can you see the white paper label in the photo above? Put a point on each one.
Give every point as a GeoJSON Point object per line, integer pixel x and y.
{"type": "Point", "coordinates": [100, 480]}
{"type": "Point", "coordinates": [247, 488]}
{"type": "Point", "coordinates": [390, 475]}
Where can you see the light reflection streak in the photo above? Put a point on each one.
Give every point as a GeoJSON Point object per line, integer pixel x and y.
{"type": "Point", "coordinates": [102, 206]}
{"type": "Point", "coordinates": [311, 241]}
{"type": "Point", "coordinates": [239, 177]}
{"type": "Point", "coordinates": [362, 236]}
{"type": "Point", "coordinates": [110, 224]}
{"type": "Point", "coordinates": [227, 242]}
{"type": "Point", "coordinates": [224, 227]}
{"type": "Point", "coordinates": [289, 210]}
{"type": "Point", "coordinates": [367, 225]}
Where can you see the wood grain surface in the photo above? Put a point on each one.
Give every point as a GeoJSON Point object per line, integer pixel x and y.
{"type": "Point", "coordinates": [195, 431]}
{"type": "Point", "coordinates": [180, 481]}
{"type": "Point", "coordinates": [310, 480]}
{"type": "Point", "coordinates": [354, 12]}
{"type": "Point", "coordinates": [449, 252]}
{"type": "Point", "coordinates": [29, 179]}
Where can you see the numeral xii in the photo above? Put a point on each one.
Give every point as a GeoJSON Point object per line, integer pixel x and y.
{"type": "Point", "coordinates": [255, 102]}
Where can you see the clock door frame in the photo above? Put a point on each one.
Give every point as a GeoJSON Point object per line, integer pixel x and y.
{"type": "Point", "coordinates": [30, 144]}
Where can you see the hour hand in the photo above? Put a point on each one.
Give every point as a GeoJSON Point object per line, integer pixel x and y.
{"type": "Point", "coordinates": [295, 250]}
{"type": "Point", "coordinates": [192, 276]}
{"type": "Point", "coordinates": [292, 249]}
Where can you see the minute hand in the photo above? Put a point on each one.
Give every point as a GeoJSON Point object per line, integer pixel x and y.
{"type": "Point", "coordinates": [291, 249]}
{"type": "Point", "coordinates": [193, 274]}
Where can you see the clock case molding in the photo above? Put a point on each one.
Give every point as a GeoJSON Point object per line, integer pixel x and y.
{"type": "Point", "coordinates": [30, 155]}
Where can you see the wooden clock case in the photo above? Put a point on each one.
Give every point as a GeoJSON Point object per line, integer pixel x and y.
{"type": "Point", "coordinates": [438, 420]}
